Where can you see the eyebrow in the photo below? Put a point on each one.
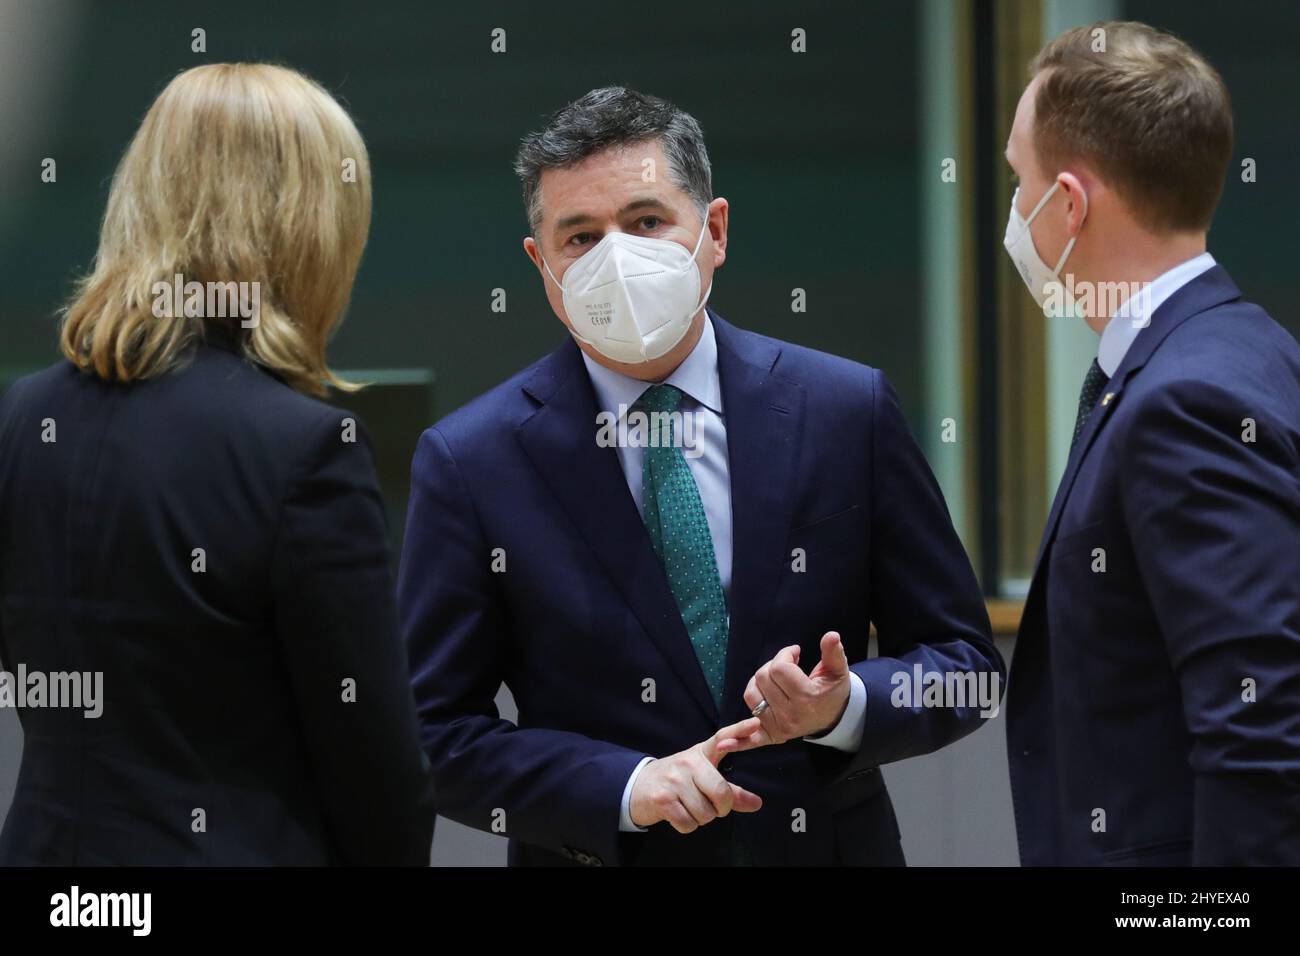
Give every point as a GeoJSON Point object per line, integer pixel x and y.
{"type": "Point", "coordinates": [644, 202]}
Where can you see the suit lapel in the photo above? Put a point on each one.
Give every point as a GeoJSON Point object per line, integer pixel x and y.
{"type": "Point", "coordinates": [588, 481]}
{"type": "Point", "coordinates": [1213, 287]}
{"type": "Point", "coordinates": [764, 421]}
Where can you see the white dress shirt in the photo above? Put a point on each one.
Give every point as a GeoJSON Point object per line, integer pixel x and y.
{"type": "Point", "coordinates": [697, 378]}
{"type": "Point", "coordinates": [1135, 314]}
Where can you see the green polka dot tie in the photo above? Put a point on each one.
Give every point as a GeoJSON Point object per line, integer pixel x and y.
{"type": "Point", "coordinates": [679, 531]}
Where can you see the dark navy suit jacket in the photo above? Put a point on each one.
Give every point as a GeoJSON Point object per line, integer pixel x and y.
{"type": "Point", "coordinates": [582, 614]}
{"type": "Point", "coordinates": [222, 690]}
{"type": "Point", "coordinates": [1154, 707]}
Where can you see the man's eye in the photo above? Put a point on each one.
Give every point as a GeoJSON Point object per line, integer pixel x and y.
{"type": "Point", "coordinates": [579, 238]}
{"type": "Point", "coordinates": [650, 222]}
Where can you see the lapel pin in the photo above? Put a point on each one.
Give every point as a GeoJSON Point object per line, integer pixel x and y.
{"type": "Point", "coordinates": [1106, 399]}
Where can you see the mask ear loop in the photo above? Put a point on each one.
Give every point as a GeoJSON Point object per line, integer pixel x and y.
{"type": "Point", "coordinates": [1041, 203]}
{"type": "Point", "coordinates": [698, 243]}
{"type": "Point", "coordinates": [705, 299]}
{"type": "Point", "coordinates": [1070, 245]}
{"type": "Point", "coordinates": [557, 282]}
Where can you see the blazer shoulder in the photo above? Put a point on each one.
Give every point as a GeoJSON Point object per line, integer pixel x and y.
{"type": "Point", "coordinates": [823, 374]}
{"type": "Point", "coordinates": [36, 383]}
{"type": "Point", "coordinates": [41, 394]}
{"type": "Point", "coordinates": [1237, 348]}
{"type": "Point", "coordinates": [836, 388]}
{"type": "Point", "coordinates": [242, 405]}
{"type": "Point", "coordinates": [1240, 327]}
{"type": "Point", "coordinates": [212, 395]}
{"type": "Point", "coordinates": [495, 414]}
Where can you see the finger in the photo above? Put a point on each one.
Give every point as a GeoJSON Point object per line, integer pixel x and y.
{"type": "Point", "coordinates": [834, 657]}
{"type": "Point", "coordinates": [697, 805]}
{"type": "Point", "coordinates": [743, 801]}
{"type": "Point", "coordinates": [766, 686]}
{"type": "Point", "coordinates": [776, 697]}
{"type": "Point", "coordinates": [752, 696]}
{"type": "Point", "coordinates": [794, 683]}
{"type": "Point", "coordinates": [680, 818]}
{"type": "Point", "coordinates": [787, 655]}
{"type": "Point", "coordinates": [735, 745]}
{"type": "Point", "coordinates": [713, 787]}
{"type": "Point", "coordinates": [774, 724]}
{"type": "Point", "coordinates": [737, 731]}
{"type": "Point", "coordinates": [774, 717]}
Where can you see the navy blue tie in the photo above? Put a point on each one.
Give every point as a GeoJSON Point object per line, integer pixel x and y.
{"type": "Point", "coordinates": [1093, 383]}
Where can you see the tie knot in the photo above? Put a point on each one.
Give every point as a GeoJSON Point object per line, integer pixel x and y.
{"type": "Point", "coordinates": [661, 398]}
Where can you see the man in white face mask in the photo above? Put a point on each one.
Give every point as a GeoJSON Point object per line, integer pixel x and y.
{"type": "Point", "coordinates": [1151, 714]}
{"type": "Point", "coordinates": [669, 538]}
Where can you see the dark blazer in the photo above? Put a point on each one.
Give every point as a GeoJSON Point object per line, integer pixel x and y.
{"type": "Point", "coordinates": [1167, 585]}
{"type": "Point", "coordinates": [582, 615]}
{"type": "Point", "coordinates": [223, 689]}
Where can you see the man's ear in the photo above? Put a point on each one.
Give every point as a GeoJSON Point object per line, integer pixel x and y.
{"type": "Point", "coordinates": [1077, 212]}
{"type": "Point", "coordinates": [530, 250]}
{"type": "Point", "coordinates": [718, 208]}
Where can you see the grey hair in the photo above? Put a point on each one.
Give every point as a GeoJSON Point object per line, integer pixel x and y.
{"type": "Point", "coordinates": [615, 116]}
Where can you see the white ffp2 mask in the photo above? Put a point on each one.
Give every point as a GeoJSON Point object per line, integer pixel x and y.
{"type": "Point", "coordinates": [1019, 243]}
{"type": "Point", "coordinates": [632, 298]}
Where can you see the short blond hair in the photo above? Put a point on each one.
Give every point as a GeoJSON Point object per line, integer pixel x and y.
{"type": "Point", "coordinates": [1148, 113]}
{"type": "Point", "coordinates": [240, 172]}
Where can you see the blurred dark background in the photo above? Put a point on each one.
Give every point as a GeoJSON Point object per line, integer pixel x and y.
{"type": "Point", "coordinates": [818, 166]}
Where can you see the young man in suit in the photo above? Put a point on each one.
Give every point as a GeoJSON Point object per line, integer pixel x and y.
{"type": "Point", "coordinates": [638, 586]}
{"type": "Point", "coordinates": [1156, 680]}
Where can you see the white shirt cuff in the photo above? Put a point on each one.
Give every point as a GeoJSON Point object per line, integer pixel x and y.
{"type": "Point", "coordinates": [625, 824]}
{"type": "Point", "coordinates": [847, 734]}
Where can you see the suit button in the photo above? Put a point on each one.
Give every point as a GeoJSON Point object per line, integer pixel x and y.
{"type": "Point", "coordinates": [1027, 753]}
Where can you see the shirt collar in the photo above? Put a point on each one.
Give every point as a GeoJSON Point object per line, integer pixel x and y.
{"type": "Point", "coordinates": [1124, 327]}
{"type": "Point", "coordinates": [697, 377]}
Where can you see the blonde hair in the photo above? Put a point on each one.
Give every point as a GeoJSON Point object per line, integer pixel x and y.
{"type": "Point", "coordinates": [240, 172]}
